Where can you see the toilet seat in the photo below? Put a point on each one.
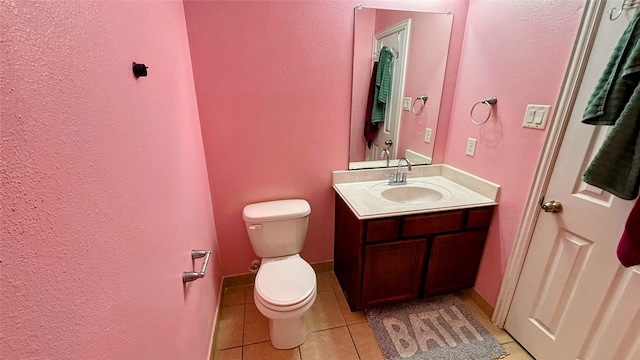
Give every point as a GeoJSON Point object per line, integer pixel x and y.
{"type": "Point", "coordinates": [285, 284]}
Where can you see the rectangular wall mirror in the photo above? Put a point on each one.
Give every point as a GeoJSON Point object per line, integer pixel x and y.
{"type": "Point", "coordinates": [419, 45]}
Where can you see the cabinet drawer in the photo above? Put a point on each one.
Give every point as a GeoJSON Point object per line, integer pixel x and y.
{"type": "Point", "coordinates": [479, 218]}
{"type": "Point", "coordinates": [384, 229]}
{"type": "Point", "coordinates": [434, 223]}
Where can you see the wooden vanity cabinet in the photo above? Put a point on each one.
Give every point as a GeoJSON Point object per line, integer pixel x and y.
{"type": "Point", "coordinates": [387, 260]}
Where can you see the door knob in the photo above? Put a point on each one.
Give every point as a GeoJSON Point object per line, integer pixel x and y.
{"type": "Point", "coordinates": [552, 206]}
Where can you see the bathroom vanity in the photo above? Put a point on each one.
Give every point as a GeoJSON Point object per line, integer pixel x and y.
{"type": "Point", "coordinates": [413, 246]}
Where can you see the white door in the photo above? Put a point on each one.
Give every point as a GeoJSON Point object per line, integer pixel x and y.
{"type": "Point", "coordinates": [395, 37]}
{"type": "Point", "coordinates": [574, 300]}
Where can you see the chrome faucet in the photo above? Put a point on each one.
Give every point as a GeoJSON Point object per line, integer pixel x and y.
{"type": "Point", "coordinates": [385, 155]}
{"type": "Point", "coordinates": [400, 178]}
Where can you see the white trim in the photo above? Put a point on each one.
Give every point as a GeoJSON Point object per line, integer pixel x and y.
{"type": "Point", "coordinates": [400, 27]}
{"type": "Point", "coordinates": [582, 49]}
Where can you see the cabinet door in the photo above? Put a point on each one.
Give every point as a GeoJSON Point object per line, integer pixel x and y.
{"type": "Point", "coordinates": [392, 271]}
{"type": "Point", "coordinates": [453, 262]}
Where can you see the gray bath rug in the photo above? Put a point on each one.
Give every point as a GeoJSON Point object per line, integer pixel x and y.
{"type": "Point", "coordinates": [438, 327]}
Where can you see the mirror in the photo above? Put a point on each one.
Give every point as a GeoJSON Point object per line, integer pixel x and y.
{"type": "Point", "coordinates": [419, 46]}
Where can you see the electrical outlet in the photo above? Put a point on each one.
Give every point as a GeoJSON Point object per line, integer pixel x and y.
{"type": "Point", "coordinates": [471, 146]}
{"type": "Point", "coordinates": [406, 103]}
{"type": "Point", "coordinates": [427, 135]}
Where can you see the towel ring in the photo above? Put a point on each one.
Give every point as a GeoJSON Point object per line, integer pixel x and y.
{"type": "Point", "coordinates": [626, 5]}
{"type": "Point", "coordinates": [422, 98]}
{"type": "Point", "coordinates": [489, 102]}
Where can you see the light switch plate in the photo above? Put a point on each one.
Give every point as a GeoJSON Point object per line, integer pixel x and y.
{"type": "Point", "coordinates": [406, 103]}
{"type": "Point", "coordinates": [536, 116]}
{"type": "Point", "coordinates": [471, 146]}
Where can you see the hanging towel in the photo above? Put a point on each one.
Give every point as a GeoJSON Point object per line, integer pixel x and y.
{"type": "Point", "coordinates": [616, 101]}
{"type": "Point", "coordinates": [383, 85]}
{"type": "Point", "coordinates": [629, 245]}
{"type": "Point", "coordinates": [371, 129]}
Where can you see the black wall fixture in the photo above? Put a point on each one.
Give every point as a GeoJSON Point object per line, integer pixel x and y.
{"type": "Point", "coordinates": [139, 70]}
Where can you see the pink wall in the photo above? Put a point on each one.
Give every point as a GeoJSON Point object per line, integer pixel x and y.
{"type": "Point", "coordinates": [273, 81]}
{"type": "Point", "coordinates": [105, 190]}
{"type": "Point", "coordinates": [518, 52]}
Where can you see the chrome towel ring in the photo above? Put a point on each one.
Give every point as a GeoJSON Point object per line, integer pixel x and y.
{"type": "Point", "coordinates": [423, 99]}
{"type": "Point", "coordinates": [489, 102]}
{"type": "Point", "coordinates": [614, 13]}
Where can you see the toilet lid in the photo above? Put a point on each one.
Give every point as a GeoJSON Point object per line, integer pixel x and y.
{"type": "Point", "coordinates": [285, 282]}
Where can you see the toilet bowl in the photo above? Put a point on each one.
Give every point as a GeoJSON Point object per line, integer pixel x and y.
{"type": "Point", "coordinates": [285, 285]}
{"type": "Point", "coordinates": [285, 288]}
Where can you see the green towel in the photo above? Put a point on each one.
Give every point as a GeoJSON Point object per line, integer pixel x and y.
{"type": "Point", "coordinates": [383, 85]}
{"type": "Point", "coordinates": [616, 101]}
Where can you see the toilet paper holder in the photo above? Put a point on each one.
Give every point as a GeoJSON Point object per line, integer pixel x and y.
{"type": "Point", "coordinates": [194, 275]}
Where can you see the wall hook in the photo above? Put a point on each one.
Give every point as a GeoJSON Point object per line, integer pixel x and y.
{"type": "Point", "coordinates": [139, 70]}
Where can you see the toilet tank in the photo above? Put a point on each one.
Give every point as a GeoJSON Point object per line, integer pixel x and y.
{"type": "Point", "coordinates": [277, 228]}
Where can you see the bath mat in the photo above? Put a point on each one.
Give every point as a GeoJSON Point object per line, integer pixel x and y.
{"type": "Point", "coordinates": [438, 327]}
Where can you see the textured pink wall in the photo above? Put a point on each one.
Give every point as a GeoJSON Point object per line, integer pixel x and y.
{"type": "Point", "coordinates": [105, 189]}
{"type": "Point", "coordinates": [273, 81]}
{"type": "Point", "coordinates": [273, 84]}
{"type": "Point", "coordinates": [517, 51]}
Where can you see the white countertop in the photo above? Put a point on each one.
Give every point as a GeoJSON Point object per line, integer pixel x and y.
{"type": "Point", "coordinates": [363, 194]}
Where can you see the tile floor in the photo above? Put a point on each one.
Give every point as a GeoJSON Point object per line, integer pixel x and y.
{"type": "Point", "coordinates": [334, 331]}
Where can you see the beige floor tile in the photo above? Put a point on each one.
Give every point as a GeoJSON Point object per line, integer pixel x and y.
{"type": "Point", "coordinates": [265, 351]}
{"type": "Point", "coordinates": [256, 325]}
{"type": "Point", "coordinates": [233, 281]}
{"type": "Point", "coordinates": [319, 267]}
{"type": "Point", "coordinates": [230, 327]}
{"type": "Point", "coordinates": [349, 317]}
{"type": "Point", "coordinates": [329, 338]}
{"type": "Point", "coordinates": [365, 342]}
{"type": "Point", "coordinates": [323, 281]}
{"type": "Point", "coordinates": [335, 284]}
{"type": "Point", "coordinates": [516, 352]}
{"type": "Point", "coordinates": [228, 354]}
{"type": "Point", "coordinates": [248, 295]}
{"type": "Point", "coordinates": [329, 344]}
{"type": "Point", "coordinates": [324, 313]}
{"type": "Point", "coordinates": [480, 301]}
{"type": "Point", "coordinates": [234, 296]}
{"type": "Point", "coordinates": [502, 336]}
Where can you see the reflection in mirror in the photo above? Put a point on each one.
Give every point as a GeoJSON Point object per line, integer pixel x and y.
{"type": "Point", "coordinates": [418, 43]}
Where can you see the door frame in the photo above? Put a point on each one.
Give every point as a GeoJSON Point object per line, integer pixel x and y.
{"type": "Point", "coordinates": [399, 65]}
{"type": "Point", "coordinates": [585, 38]}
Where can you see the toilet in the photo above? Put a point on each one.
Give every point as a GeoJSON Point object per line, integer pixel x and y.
{"type": "Point", "coordinates": [285, 285]}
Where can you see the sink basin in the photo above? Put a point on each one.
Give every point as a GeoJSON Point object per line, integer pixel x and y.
{"type": "Point", "coordinates": [408, 194]}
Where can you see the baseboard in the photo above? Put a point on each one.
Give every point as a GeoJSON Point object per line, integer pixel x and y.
{"type": "Point", "coordinates": [480, 301]}
{"type": "Point", "coordinates": [214, 329]}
